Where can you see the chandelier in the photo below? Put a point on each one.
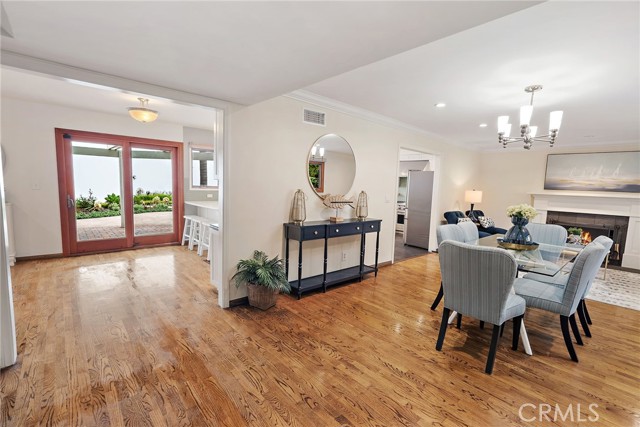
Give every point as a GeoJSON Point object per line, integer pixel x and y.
{"type": "Point", "coordinates": [529, 134]}
{"type": "Point", "coordinates": [142, 113]}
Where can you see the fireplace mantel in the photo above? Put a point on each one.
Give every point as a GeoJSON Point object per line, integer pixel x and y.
{"type": "Point", "coordinates": [620, 204]}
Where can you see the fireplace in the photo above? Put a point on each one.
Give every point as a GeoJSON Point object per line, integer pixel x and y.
{"type": "Point", "coordinates": [585, 209]}
{"type": "Point", "coordinates": [594, 225]}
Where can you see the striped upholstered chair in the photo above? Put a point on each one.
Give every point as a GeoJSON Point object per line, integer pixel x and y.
{"type": "Point", "coordinates": [550, 234]}
{"type": "Point", "coordinates": [477, 282]}
{"type": "Point", "coordinates": [564, 300]}
{"type": "Point", "coordinates": [447, 232]}
{"type": "Point", "coordinates": [583, 313]}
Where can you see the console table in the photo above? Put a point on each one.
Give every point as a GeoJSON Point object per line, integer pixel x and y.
{"type": "Point", "coordinates": [316, 230]}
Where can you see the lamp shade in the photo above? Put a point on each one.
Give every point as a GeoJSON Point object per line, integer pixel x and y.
{"type": "Point", "coordinates": [502, 124]}
{"type": "Point", "coordinates": [473, 196]}
{"type": "Point", "coordinates": [525, 114]}
{"type": "Point", "coordinates": [142, 113]}
{"type": "Point", "coordinates": [555, 119]}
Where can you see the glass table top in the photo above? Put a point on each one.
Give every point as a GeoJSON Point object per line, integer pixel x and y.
{"type": "Point", "coordinates": [546, 259]}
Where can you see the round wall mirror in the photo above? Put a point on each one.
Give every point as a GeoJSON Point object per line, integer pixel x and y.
{"type": "Point", "coordinates": [331, 166]}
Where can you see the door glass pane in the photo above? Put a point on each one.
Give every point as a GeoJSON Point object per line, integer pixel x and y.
{"type": "Point", "coordinates": [97, 180]}
{"type": "Point", "coordinates": [152, 185]}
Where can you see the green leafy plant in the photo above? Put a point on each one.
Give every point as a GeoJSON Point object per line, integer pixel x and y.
{"type": "Point", "coordinates": [262, 271]}
{"type": "Point", "coordinates": [577, 231]}
{"type": "Point", "coordinates": [85, 202]}
{"type": "Point", "coordinates": [112, 198]}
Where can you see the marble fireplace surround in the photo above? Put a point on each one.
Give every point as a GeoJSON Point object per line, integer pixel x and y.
{"type": "Point", "coordinates": [620, 204]}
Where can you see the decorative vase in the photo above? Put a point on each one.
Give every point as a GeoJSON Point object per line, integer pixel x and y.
{"type": "Point", "coordinates": [362, 206]}
{"type": "Point", "coordinates": [518, 233]}
{"type": "Point", "coordinates": [298, 208]}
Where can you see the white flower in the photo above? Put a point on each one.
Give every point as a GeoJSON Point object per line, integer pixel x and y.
{"type": "Point", "coordinates": [522, 211]}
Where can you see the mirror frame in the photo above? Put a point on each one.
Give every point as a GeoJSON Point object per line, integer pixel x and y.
{"type": "Point", "coordinates": [322, 168]}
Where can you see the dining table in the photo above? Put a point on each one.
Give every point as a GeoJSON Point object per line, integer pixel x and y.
{"type": "Point", "coordinates": [541, 258]}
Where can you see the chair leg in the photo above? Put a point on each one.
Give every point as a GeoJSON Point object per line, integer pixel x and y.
{"type": "Point", "coordinates": [492, 350]}
{"type": "Point", "coordinates": [443, 328]}
{"type": "Point", "coordinates": [583, 320]}
{"type": "Point", "coordinates": [574, 328]}
{"type": "Point", "coordinates": [501, 330]}
{"type": "Point", "coordinates": [564, 325]}
{"type": "Point", "coordinates": [482, 324]}
{"type": "Point", "coordinates": [586, 312]}
{"type": "Point", "coordinates": [517, 323]}
{"type": "Point", "coordinates": [459, 321]}
{"type": "Point", "coordinates": [438, 298]}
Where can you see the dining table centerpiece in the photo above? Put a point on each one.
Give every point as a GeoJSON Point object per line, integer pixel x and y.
{"type": "Point", "coordinates": [520, 216]}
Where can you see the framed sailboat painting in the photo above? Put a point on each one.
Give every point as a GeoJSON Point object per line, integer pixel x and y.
{"type": "Point", "coordinates": [616, 171]}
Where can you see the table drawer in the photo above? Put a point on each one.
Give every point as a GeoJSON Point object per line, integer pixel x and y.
{"type": "Point", "coordinates": [349, 229]}
{"type": "Point", "coordinates": [370, 227]}
{"type": "Point", "coordinates": [313, 232]}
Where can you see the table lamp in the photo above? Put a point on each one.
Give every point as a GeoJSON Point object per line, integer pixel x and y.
{"type": "Point", "coordinates": [473, 197]}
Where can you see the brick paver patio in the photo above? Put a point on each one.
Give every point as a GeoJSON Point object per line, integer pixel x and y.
{"type": "Point", "coordinates": [109, 227]}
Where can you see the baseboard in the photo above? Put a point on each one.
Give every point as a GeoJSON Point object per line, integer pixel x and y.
{"type": "Point", "coordinates": [39, 257]}
{"type": "Point", "coordinates": [239, 301]}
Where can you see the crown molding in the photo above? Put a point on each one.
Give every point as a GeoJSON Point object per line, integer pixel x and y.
{"type": "Point", "coordinates": [361, 113]}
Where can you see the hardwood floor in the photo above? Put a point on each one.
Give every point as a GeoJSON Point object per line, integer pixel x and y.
{"type": "Point", "coordinates": [136, 338]}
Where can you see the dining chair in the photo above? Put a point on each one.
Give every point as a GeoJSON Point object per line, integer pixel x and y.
{"type": "Point", "coordinates": [551, 234]}
{"type": "Point", "coordinates": [477, 282]}
{"type": "Point", "coordinates": [583, 313]}
{"type": "Point", "coordinates": [564, 300]}
{"type": "Point", "coordinates": [446, 232]}
{"type": "Point", "coordinates": [470, 231]}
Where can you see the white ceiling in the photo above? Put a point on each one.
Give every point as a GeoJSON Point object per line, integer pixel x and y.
{"type": "Point", "coordinates": [392, 58]}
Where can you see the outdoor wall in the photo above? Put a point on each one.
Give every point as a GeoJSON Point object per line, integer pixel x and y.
{"type": "Point", "coordinates": [267, 152]}
{"type": "Point", "coordinates": [509, 176]}
{"type": "Point", "coordinates": [31, 177]}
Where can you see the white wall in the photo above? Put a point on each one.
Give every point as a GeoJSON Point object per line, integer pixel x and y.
{"type": "Point", "coordinates": [267, 152]}
{"type": "Point", "coordinates": [508, 176]}
{"type": "Point", "coordinates": [28, 140]}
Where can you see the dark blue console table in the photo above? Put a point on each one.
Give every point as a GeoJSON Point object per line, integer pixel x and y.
{"type": "Point", "coordinates": [316, 230]}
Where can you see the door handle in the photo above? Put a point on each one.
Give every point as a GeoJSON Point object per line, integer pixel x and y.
{"type": "Point", "coordinates": [70, 202]}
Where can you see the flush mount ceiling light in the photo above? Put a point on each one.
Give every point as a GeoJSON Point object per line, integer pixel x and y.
{"type": "Point", "coordinates": [528, 133]}
{"type": "Point", "coordinates": [142, 113]}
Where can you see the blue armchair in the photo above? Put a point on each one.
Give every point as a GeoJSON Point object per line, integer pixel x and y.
{"type": "Point", "coordinates": [453, 216]}
{"type": "Point", "coordinates": [474, 214]}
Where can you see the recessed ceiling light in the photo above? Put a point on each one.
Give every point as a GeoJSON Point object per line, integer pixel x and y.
{"type": "Point", "coordinates": [483, 125]}
{"type": "Point", "coordinates": [441, 105]}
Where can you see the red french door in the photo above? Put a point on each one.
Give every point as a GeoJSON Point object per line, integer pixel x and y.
{"type": "Point", "coordinates": [117, 192]}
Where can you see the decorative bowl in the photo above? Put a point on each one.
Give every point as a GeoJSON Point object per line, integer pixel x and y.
{"type": "Point", "coordinates": [517, 246]}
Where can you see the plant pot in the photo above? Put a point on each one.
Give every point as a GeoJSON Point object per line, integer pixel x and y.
{"type": "Point", "coordinates": [518, 234]}
{"type": "Point", "coordinates": [261, 297]}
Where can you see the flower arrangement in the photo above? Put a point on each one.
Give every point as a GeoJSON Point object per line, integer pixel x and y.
{"type": "Point", "coordinates": [522, 211]}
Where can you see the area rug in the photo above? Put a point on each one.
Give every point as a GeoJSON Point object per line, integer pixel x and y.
{"type": "Point", "coordinates": [620, 288]}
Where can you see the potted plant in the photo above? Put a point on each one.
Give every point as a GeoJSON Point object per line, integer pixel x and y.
{"type": "Point", "coordinates": [264, 278]}
{"type": "Point", "coordinates": [574, 234]}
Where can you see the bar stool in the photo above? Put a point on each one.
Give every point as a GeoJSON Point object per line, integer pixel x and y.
{"type": "Point", "coordinates": [205, 239]}
{"type": "Point", "coordinates": [189, 221]}
{"type": "Point", "coordinates": [196, 232]}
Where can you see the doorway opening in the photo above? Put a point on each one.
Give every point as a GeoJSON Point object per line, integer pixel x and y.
{"type": "Point", "coordinates": [415, 221]}
{"type": "Point", "coordinates": [117, 192]}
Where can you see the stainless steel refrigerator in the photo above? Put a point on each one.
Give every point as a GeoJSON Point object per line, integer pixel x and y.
{"type": "Point", "coordinates": [418, 217]}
